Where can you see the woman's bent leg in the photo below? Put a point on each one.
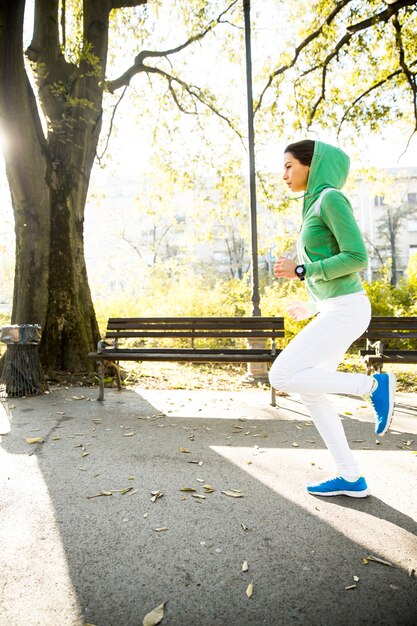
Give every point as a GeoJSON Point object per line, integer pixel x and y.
{"type": "Point", "coordinates": [308, 366]}
{"type": "Point", "coordinates": [299, 367]}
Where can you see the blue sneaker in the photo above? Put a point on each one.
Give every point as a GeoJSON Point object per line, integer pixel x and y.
{"type": "Point", "coordinates": [339, 486]}
{"type": "Point", "coordinates": [382, 400]}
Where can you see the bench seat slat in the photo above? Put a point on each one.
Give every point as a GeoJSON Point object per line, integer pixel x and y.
{"type": "Point", "coordinates": [195, 355]}
{"type": "Point", "coordinates": [179, 334]}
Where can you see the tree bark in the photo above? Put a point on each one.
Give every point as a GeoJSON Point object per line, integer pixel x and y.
{"type": "Point", "coordinates": [49, 173]}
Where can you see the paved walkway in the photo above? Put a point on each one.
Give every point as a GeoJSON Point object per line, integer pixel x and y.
{"type": "Point", "coordinates": [172, 528]}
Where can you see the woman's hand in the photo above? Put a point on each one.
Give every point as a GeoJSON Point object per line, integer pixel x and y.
{"type": "Point", "coordinates": [299, 310]}
{"type": "Point", "coordinates": [285, 268]}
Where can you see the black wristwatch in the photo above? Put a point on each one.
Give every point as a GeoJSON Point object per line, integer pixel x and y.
{"type": "Point", "coordinates": [300, 271]}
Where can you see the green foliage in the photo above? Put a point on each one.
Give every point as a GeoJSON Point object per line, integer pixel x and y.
{"type": "Point", "coordinates": [396, 301]}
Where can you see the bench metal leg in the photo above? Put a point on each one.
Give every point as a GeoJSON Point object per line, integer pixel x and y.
{"type": "Point", "coordinates": [118, 376]}
{"type": "Point", "coordinates": [100, 370]}
{"type": "Point", "coordinates": [273, 396]}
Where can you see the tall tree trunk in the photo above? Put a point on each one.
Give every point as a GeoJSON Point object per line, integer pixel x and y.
{"type": "Point", "coordinates": [48, 177]}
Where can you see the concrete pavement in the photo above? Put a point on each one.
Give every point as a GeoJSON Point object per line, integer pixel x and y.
{"type": "Point", "coordinates": [100, 523]}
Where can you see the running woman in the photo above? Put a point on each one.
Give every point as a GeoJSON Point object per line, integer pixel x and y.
{"type": "Point", "coordinates": [331, 252]}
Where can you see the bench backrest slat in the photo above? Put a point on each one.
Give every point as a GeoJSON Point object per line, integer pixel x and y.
{"type": "Point", "coordinates": [196, 334]}
{"type": "Point", "coordinates": [197, 327]}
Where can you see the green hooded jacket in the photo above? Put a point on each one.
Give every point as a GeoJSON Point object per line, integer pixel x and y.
{"type": "Point", "coordinates": [330, 244]}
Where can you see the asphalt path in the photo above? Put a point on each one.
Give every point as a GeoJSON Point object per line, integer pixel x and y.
{"type": "Point", "coordinates": [196, 500]}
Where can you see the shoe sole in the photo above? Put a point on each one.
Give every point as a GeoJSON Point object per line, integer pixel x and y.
{"type": "Point", "coordinates": [351, 494]}
{"type": "Point", "coordinates": [392, 380]}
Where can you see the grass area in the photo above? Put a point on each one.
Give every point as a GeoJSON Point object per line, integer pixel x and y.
{"type": "Point", "coordinates": [231, 377]}
{"type": "Point", "coordinates": [212, 376]}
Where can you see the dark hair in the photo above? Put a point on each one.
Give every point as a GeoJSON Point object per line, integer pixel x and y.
{"type": "Point", "coordinates": [302, 150]}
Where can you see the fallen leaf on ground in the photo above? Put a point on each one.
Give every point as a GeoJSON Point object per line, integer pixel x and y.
{"type": "Point", "coordinates": [161, 529]}
{"type": "Point", "coordinates": [350, 587]}
{"type": "Point", "coordinates": [155, 495]}
{"type": "Point", "coordinates": [155, 616]}
{"type": "Point", "coordinates": [245, 566]}
{"type": "Point", "coordinates": [102, 493]}
{"type": "Point", "coordinates": [185, 451]}
{"type": "Point", "coordinates": [249, 590]}
{"type": "Point", "coordinates": [78, 397]}
{"type": "Point", "coordinates": [129, 434]}
{"type": "Point", "coordinates": [34, 440]}
{"type": "Point", "coordinates": [188, 489]}
{"type": "Point", "coordinates": [378, 560]}
{"type": "Point", "coordinates": [233, 494]}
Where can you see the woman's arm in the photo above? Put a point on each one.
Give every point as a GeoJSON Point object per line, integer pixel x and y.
{"type": "Point", "coordinates": [336, 212]}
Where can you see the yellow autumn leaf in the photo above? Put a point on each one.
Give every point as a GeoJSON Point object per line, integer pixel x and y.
{"type": "Point", "coordinates": [378, 560]}
{"type": "Point", "coordinates": [208, 488]}
{"type": "Point", "coordinates": [190, 489]}
{"type": "Point", "coordinates": [101, 493]}
{"type": "Point", "coordinates": [233, 494]}
{"type": "Point", "coordinates": [161, 529]}
{"type": "Point", "coordinates": [34, 440]}
{"type": "Point", "coordinates": [155, 616]}
{"type": "Point", "coordinates": [185, 451]}
{"type": "Point", "coordinates": [249, 590]}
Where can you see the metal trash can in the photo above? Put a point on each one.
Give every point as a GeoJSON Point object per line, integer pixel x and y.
{"type": "Point", "coordinates": [22, 373]}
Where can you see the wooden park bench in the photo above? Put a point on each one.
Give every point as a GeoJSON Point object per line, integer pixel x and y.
{"type": "Point", "coordinates": [128, 339]}
{"type": "Point", "coordinates": [390, 340]}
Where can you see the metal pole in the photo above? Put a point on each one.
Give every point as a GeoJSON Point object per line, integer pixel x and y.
{"type": "Point", "coordinates": [252, 178]}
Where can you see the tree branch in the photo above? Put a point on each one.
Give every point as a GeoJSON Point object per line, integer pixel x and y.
{"type": "Point", "coordinates": [194, 92]}
{"type": "Point", "coordinates": [382, 16]}
{"type": "Point", "coordinates": [100, 157]}
{"type": "Point", "coordinates": [329, 19]}
{"type": "Point", "coordinates": [366, 93]}
{"type": "Point", "coordinates": [124, 4]}
{"type": "Point", "coordinates": [139, 65]}
{"type": "Point", "coordinates": [410, 76]}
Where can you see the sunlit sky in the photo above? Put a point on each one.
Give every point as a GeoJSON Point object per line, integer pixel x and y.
{"type": "Point", "coordinates": [386, 151]}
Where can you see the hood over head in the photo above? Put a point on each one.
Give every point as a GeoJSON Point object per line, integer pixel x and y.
{"type": "Point", "coordinates": [329, 168]}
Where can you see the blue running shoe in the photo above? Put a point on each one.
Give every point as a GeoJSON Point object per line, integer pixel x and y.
{"type": "Point", "coordinates": [339, 486]}
{"type": "Point", "coordinates": [382, 400]}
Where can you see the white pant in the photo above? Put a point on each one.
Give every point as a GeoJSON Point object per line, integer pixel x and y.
{"type": "Point", "coordinates": [308, 366]}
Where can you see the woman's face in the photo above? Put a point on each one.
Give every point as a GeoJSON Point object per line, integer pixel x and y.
{"type": "Point", "coordinates": [295, 173]}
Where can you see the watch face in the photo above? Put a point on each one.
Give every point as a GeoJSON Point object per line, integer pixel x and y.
{"type": "Point", "coordinates": [299, 270]}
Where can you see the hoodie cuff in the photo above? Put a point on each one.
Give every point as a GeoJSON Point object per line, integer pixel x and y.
{"type": "Point", "coordinates": [314, 270]}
